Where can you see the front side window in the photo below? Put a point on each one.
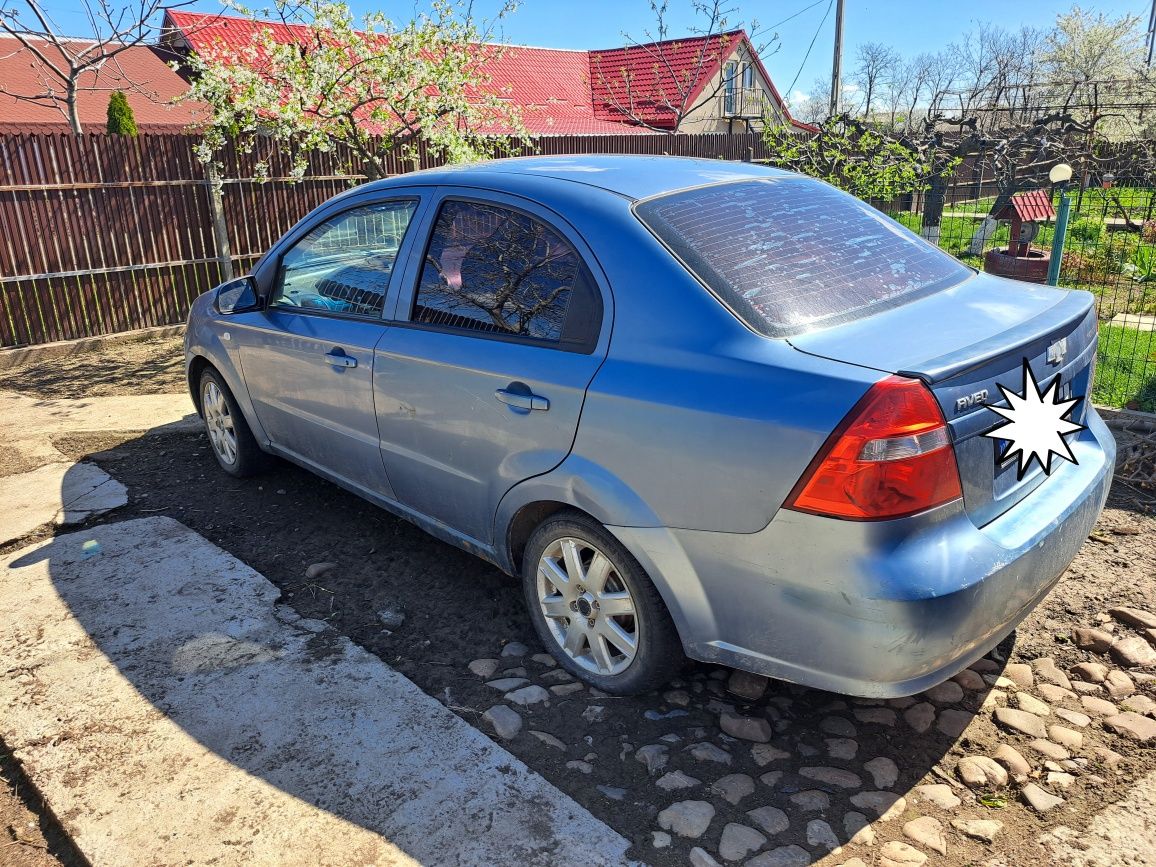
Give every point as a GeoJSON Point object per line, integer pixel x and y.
{"type": "Point", "coordinates": [496, 270]}
{"type": "Point", "coordinates": [344, 265]}
{"type": "Point", "coordinates": [791, 254]}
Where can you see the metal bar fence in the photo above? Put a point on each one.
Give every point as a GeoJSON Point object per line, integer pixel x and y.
{"type": "Point", "coordinates": [1110, 251]}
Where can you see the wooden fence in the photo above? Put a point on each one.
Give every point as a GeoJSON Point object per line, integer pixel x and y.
{"type": "Point", "coordinates": [100, 234]}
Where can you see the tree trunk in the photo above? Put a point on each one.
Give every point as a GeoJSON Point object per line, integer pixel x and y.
{"type": "Point", "coordinates": [220, 223]}
{"type": "Point", "coordinates": [373, 171]}
{"type": "Point", "coordinates": [73, 110]}
{"type": "Point", "coordinates": [989, 224]}
{"type": "Point", "coordinates": [933, 202]}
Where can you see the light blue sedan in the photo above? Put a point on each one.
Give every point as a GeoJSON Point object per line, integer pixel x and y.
{"type": "Point", "coordinates": [700, 408]}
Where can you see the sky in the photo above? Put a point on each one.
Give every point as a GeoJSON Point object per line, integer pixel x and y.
{"type": "Point", "coordinates": [911, 26]}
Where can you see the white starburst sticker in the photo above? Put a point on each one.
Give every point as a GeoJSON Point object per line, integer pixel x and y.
{"type": "Point", "coordinates": [1035, 424]}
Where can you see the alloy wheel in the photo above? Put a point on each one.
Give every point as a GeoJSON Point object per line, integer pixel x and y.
{"type": "Point", "coordinates": [219, 423]}
{"type": "Point", "coordinates": [588, 607]}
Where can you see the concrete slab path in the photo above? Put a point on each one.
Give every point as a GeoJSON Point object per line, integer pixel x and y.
{"type": "Point", "coordinates": [62, 493]}
{"type": "Point", "coordinates": [171, 712]}
{"type": "Point", "coordinates": [1139, 321]}
{"type": "Point", "coordinates": [1123, 833]}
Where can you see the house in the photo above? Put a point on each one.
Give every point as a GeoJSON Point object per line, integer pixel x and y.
{"type": "Point", "coordinates": [703, 84]}
{"type": "Point", "coordinates": [700, 84]}
{"type": "Point", "coordinates": [141, 72]}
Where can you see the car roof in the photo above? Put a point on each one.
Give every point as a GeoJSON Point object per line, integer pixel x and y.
{"type": "Point", "coordinates": [635, 177]}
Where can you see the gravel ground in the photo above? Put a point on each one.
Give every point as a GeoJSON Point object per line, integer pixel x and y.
{"type": "Point", "coordinates": [688, 767]}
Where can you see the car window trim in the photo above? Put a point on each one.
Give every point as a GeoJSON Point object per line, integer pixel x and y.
{"type": "Point", "coordinates": [407, 194]}
{"type": "Point", "coordinates": [406, 300]}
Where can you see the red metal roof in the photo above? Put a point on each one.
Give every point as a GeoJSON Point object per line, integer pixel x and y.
{"type": "Point", "coordinates": [1031, 206]}
{"type": "Point", "coordinates": [647, 79]}
{"type": "Point", "coordinates": [141, 72]}
{"type": "Point", "coordinates": [560, 92]}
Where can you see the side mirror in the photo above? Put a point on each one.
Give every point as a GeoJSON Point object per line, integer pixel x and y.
{"type": "Point", "coordinates": [238, 296]}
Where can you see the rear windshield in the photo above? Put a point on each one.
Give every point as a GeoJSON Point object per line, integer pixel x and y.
{"type": "Point", "coordinates": [791, 254]}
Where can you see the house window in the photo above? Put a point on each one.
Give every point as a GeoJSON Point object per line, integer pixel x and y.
{"type": "Point", "coordinates": [730, 74]}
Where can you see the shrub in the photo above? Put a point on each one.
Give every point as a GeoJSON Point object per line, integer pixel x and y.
{"type": "Point", "coordinates": [1142, 268]}
{"type": "Point", "coordinates": [1148, 232]}
{"type": "Point", "coordinates": [120, 117]}
{"type": "Point", "coordinates": [1087, 230]}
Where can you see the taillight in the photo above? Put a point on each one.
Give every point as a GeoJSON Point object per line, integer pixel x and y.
{"type": "Point", "coordinates": [889, 458]}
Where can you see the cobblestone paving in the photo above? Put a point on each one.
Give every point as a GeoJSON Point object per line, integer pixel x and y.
{"type": "Point", "coordinates": [738, 769]}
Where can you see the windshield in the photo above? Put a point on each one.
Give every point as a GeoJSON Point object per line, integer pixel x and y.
{"type": "Point", "coordinates": [791, 254]}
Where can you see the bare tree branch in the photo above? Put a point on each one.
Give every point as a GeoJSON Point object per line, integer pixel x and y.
{"type": "Point", "coordinates": [673, 93]}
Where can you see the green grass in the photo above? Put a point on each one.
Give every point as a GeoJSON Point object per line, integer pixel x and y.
{"type": "Point", "coordinates": [1126, 368]}
{"type": "Point", "coordinates": [1126, 362]}
{"type": "Point", "coordinates": [1135, 200]}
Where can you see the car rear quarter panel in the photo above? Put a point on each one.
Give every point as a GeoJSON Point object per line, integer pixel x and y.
{"type": "Point", "coordinates": [706, 424]}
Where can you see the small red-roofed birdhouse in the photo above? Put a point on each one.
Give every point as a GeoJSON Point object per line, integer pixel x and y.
{"type": "Point", "coordinates": [1025, 211]}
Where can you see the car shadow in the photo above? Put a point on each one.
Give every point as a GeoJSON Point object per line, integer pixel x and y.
{"type": "Point", "coordinates": [288, 700]}
{"type": "Point", "coordinates": [832, 765]}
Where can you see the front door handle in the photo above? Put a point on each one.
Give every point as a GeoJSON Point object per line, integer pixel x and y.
{"type": "Point", "coordinates": [522, 400]}
{"type": "Point", "coordinates": [338, 358]}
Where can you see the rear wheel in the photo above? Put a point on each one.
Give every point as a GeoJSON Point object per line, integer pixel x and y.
{"type": "Point", "coordinates": [595, 609]}
{"type": "Point", "coordinates": [234, 445]}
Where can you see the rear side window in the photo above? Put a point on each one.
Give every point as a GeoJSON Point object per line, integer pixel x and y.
{"type": "Point", "coordinates": [791, 254]}
{"type": "Point", "coordinates": [502, 272]}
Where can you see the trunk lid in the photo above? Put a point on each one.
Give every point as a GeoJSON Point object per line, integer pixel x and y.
{"type": "Point", "coordinates": [966, 341]}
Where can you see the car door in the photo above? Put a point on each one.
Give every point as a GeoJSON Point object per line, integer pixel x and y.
{"type": "Point", "coordinates": [500, 328]}
{"type": "Point", "coordinates": [308, 356]}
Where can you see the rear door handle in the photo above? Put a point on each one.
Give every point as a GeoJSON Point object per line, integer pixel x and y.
{"type": "Point", "coordinates": [338, 358]}
{"type": "Point", "coordinates": [522, 401]}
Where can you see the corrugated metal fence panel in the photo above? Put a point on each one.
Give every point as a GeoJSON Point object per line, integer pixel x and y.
{"type": "Point", "coordinates": [100, 234]}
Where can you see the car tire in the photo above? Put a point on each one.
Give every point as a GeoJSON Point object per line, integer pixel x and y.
{"type": "Point", "coordinates": [230, 438]}
{"type": "Point", "coordinates": [604, 620]}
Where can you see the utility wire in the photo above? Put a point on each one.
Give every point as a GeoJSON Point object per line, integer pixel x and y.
{"type": "Point", "coordinates": [796, 15]}
{"type": "Point", "coordinates": [791, 89]}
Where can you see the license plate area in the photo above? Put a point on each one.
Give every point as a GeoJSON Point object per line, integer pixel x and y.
{"type": "Point", "coordinates": [990, 486]}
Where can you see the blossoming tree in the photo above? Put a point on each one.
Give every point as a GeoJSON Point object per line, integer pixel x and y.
{"type": "Point", "coordinates": [315, 77]}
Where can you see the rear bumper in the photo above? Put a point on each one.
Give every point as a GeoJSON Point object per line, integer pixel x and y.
{"type": "Point", "coordinates": [875, 609]}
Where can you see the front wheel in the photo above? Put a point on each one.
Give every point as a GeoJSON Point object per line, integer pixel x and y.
{"type": "Point", "coordinates": [595, 609]}
{"type": "Point", "coordinates": [234, 445]}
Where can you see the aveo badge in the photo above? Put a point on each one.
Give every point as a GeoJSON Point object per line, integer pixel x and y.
{"type": "Point", "coordinates": [1035, 422]}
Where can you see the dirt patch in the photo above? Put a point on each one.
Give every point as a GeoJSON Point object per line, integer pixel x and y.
{"type": "Point", "coordinates": [142, 367]}
{"type": "Point", "coordinates": [29, 834]}
{"type": "Point", "coordinates": [14, 461]}
{"type": "Point", "coordinates": [455, 609]}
